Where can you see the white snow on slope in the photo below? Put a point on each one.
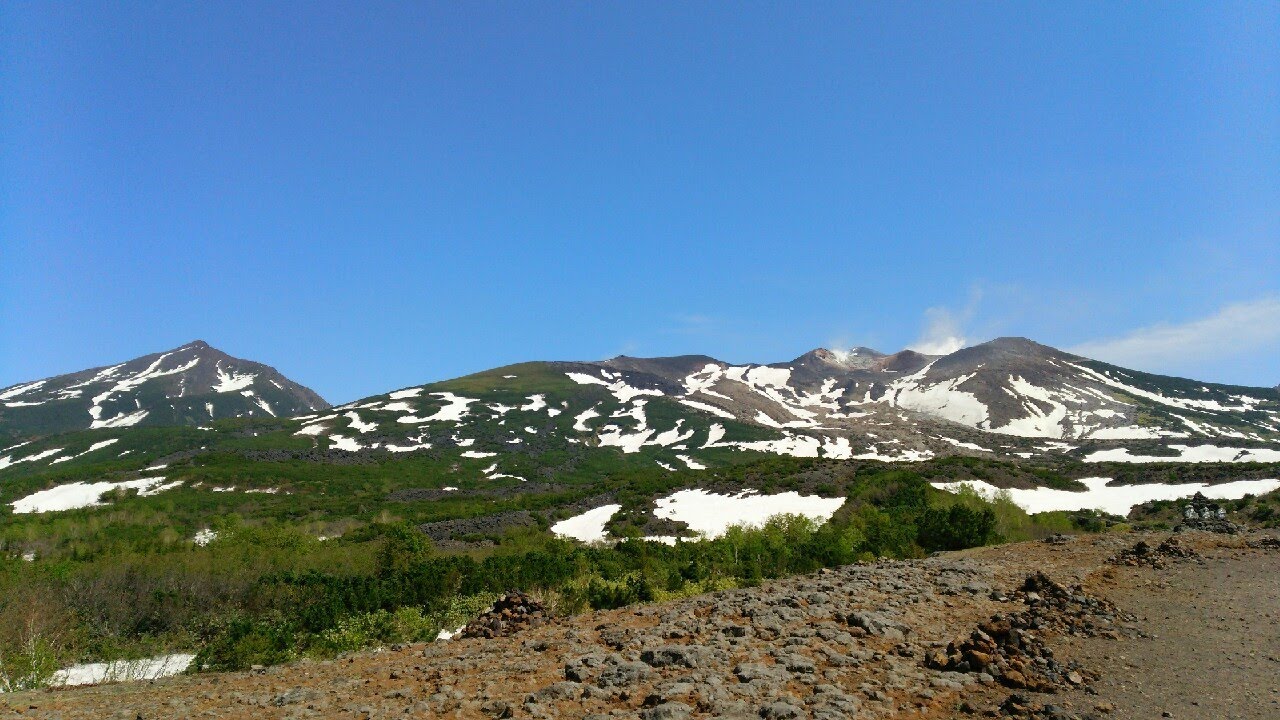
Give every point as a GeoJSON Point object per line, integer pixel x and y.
{"type": "Point", "coordinates": [1036, 422]}
{"type": "Point", "coordinates": [587, 527]}
{"type": "Point", "coordinates": [788, 444]}
{"type": "Point", "coordinates": [1114, 499]}
{"type": "Point", "coordinates": [837, 448]}
{"type": "Point", "coordinates": [83, 494]}
{"type": "Point", "coordinates": [714, 435]}
{"type": "Point", "coordinates": [121, 420]}
{"type": "Point", "coordinates": [344, 443]}
{"type": "Point", "coordinates": [153, 371]}
{"type": "Point", "coordinates": [419, 444]}
{"type": "Point", "coordinates": [706, 408]}
{"type": "Point", "coordinates": [536, 403]}
{"type": "Point", "coordinates": [1189, 454]}
{"type": "Point", "coordinates": [1182, 403]}
{"type": "Point", "coordinates": [406, 394]}
{"type": "Point", "coordinates": [630, 442]}
{"type": "Point", "coordinates": [693, 464]}
{"type": "Point", "coordinates": [232, 381]}
{"type": "Point", "coordinates": [359, 425]}
{"type": "Point", "coordinates": [122, 670]}
{"type": "Point", "coordinates": [710, 514]}
{"type": "Point", "coordinates": [17, 390]}
{"type": "Point", "coordinates": [619, 387]}
{"type": "Point", "coordinates": [580, 422]}
{"type": "Point", "coordinates": [967, 445]}
{"type": "Point", "coordinates": [454, 409]}
{"type": "Point", "coordinates": [7, 460]}
{"type": "Point", "coordinates": [895, 456]}
{"type": "Point", "coordinates": [93, 447]}
{"type": "Point", "coordinates": [942, 399]}
{"type": "Point", "coordinates": [258, 401]}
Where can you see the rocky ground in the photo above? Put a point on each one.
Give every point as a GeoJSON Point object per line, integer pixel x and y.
{"type": "Point", "coordinates": [1038, 630]}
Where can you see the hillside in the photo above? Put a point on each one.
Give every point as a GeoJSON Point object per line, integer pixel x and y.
{"type": "Point", "coordinates": [549, 436]}
{"type": "Point", "coordinates": [189, 385]}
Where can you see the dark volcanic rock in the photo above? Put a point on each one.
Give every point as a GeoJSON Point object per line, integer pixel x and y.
{"type": "Point", "coordinates": [451, 530]}
{"type": "Point", "coordinates": [512, 613]}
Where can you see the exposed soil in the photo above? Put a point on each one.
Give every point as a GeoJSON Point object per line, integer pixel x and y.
{"type": "Point", "coordinates": [1198, 637]}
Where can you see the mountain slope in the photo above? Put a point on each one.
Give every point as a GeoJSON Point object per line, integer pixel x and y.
{"type": "Point", "coordinates": [1008, 397]}
{"type": "Point", "coordinates": [560, 433]}
{"type": "Point", "coordinates": [188, 385]}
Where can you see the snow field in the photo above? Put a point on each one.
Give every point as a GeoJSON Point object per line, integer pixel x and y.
{"type": "Point", "coordinates": [1114, 499]}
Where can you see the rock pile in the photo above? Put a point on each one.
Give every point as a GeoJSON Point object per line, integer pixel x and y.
{"type": "Point", "coordinates": [1214, 525]}
{"type": "Point", "coordinates": [1070, 610]}
{"type": "Point", "coordinates": [512, 613]}
{"type": "Point", "coordinates": [1021, 706]}
{"type": "Point", "coordinates": [1010, 647]}
{"type": "Point", "coordinates": [1058, 539]}
{"type": "Point", "coordinates": [1266, 543]}
{"type": "Point", "coordinates": [1158, 557]}
{"type": "Point", "coordinates": [1005, 648]}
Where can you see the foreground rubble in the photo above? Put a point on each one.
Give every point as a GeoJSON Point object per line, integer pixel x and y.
{"type": "Point", "coordinates": [994, 632]}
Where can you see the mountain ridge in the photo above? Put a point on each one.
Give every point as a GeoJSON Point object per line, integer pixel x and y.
{"type": "Point", "coordinates": [1009, 396]}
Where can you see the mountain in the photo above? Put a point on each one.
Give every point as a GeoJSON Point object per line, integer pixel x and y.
{"type": "Point", "coordinates": [562, 435]}
{"type": "Point", "coordinates": [1010, 397]}
{"type": "Point", "coordinates": [189, 385]}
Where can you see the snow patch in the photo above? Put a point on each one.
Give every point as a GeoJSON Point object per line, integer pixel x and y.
{"type": "Point", "coordinates": [358, 425]}
{"type": "Point", "coordinates": [710, 515]}
{"type": "Point", "coordinates": [1189, 454]}
{"type": "Point", "coordinates": [73, 496]}
{"type": "Point", "coordinates": [232, 381]}
{"type": "Point", "coordinates": [122, 670]}
{"type": "Point", "coordinates": [344, 443]}
{"type": "Point", "coordinates": [619, 388]}
{"type": "Point", "coordinates": [706, 408]}
{"type": "Point", "coordinates": [691, 463]}
{"type": "Point", "coordinates": [587, 527]}
{"type": "Point", "coordinates": [1113, 499]}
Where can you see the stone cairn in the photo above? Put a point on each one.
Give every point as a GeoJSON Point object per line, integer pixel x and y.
{"type": "Point", "coordinates": [1011, 648]}
{"type": "Point", "coordinates": [1200, 514]}
{"type": "Point", "coordinates": [512, 613]}
{"type": "Point", "coordinates": [1157, 557]}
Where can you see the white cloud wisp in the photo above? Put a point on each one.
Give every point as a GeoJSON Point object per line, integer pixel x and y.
{"type": "Point", "coordinates": [1238, 329]}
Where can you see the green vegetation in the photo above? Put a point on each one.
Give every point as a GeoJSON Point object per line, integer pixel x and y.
{"type": "Point", "coordinates": [267, 590]}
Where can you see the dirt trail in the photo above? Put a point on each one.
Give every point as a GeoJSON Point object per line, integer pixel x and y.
{"type": "Point", "coordinates": [1215, 650]}
{"type": "Point", "coordinates": [852, 642]}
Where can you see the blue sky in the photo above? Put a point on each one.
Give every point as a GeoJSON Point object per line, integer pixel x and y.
{"type": "Point", "coordinates": [369, 196]}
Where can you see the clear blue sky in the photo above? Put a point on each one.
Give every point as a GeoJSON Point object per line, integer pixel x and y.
{"type": "Point", "coordinates": [369, 196]}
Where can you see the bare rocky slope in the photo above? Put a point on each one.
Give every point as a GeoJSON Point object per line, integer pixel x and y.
{"type": "Point", "coordinates": [1043, 630]}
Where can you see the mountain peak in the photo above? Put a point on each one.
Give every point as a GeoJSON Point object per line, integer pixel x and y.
{"type": "Point", "coordinates": [857, 358]}
{"type": "Point", "coordinates": [905, 361]}
{"type": "Point", "coordinates": [188, 385]}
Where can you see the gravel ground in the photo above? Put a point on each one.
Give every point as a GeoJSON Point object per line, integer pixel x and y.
{"type": "Point", "coordinates": [851, 642]}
